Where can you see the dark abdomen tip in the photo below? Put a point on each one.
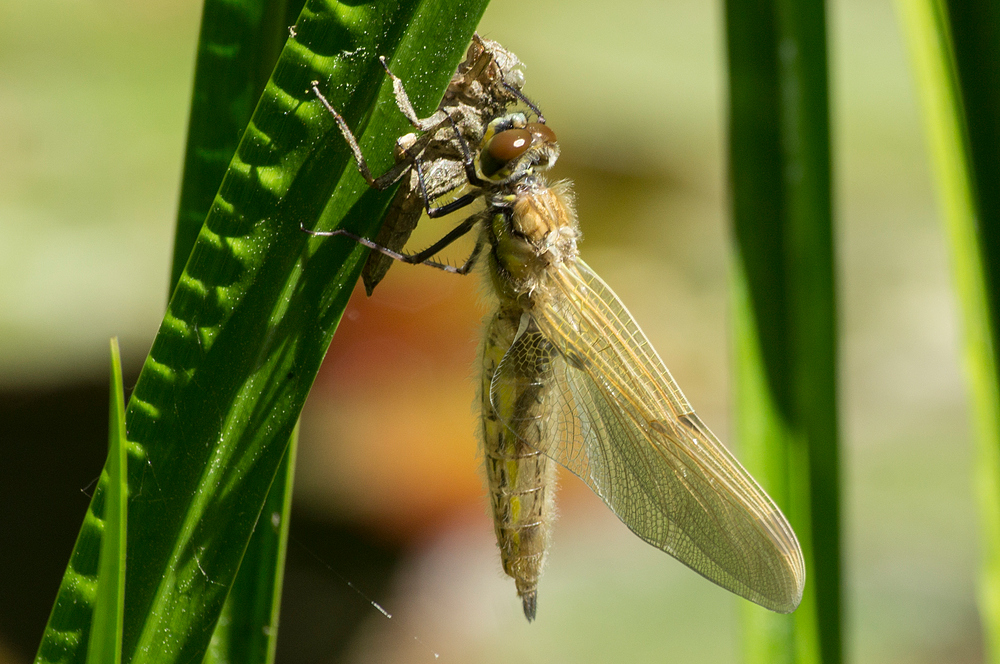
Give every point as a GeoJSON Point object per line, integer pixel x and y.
{"type": "Point", "coordinates": [529, 601]}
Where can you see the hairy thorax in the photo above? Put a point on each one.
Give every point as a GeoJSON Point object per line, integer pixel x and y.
{"type": "Point", "coordinates": [535, 230]}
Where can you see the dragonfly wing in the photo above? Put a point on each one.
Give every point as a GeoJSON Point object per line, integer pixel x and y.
{"type": "Point", "coordinates": [616, 418]}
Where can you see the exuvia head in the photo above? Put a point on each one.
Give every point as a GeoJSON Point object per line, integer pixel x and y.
{"type": "Point", "coordinates": [513, 148]}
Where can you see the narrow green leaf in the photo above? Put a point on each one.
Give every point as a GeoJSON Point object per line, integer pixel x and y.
{"type": "Point", "coordinates": [975, 29]}
{"type": "Point", "coordinates": [251, 318]}
{"type": "Point", "coordinates": [785, 305]}
{"type": "Point", "coordinates": [105, 645]}
{"type": "Point", "coordinates": [66, 636]}
{"type": "Point", "coordinates": [972, 231]}
{"type": "Point", "coordinates": [247, 631]}
{"type": "Point", "coordinates": [237, 50]}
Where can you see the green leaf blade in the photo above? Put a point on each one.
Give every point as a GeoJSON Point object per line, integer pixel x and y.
{"type": "Point", "coordinates": [259, 302]}
{"type": "Point", "coordinates": [252, 315]}
{"type": "Point", "coordinates": [962, 126]}
{"type": "Point", "coordinates": [105, 642]}
{"type": "Point", "coordinates": [248, 628]}
{"type": "Point", "coordinates": [785, 307]}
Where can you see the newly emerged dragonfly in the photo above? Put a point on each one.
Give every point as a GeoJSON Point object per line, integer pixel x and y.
{"type": "Point", "coordinates": [568, 376]}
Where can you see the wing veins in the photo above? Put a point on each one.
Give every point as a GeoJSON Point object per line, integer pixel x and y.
{"type": "Point", "coordinates": [724, 491]}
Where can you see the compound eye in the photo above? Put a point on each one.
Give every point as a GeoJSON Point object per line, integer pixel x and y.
{"type": "Point", "coordinates": [504, 148]}
{"type": "Point", "coordinates": [541, 132]}
{"type": "Point", "coordinates": [510, 144]}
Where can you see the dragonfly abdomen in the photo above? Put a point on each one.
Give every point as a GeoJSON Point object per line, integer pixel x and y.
{"type": "Point", "coordinates": [521, 479]}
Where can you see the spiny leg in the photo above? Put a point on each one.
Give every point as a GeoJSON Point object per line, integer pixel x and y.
{"type": "Point", "coordinates": [382, 182]}
{"type": "Point", "coordinates": [393, 175]}
{"type": "Point", "coordinates": [447, 208]}
{"type": "Point", "coordinates": [468, 160]}
{"type": "Point", "coordinates": [527, 102]}
{"type": "Point", "coordinates": [421, 257]}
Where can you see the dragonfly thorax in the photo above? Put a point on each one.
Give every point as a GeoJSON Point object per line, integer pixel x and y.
{"type": "Point", "coordinates": [533, 228]}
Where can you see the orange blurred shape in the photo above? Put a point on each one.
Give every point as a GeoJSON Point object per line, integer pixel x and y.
{"type": "Point", "coordinates": [389, 438]}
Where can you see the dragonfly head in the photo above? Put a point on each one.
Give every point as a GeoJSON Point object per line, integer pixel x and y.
{"type": "Point", "coordinates": [513, 148]}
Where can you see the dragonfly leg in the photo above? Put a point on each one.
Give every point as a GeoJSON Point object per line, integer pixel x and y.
{"type": "Point", "coordinates": [406, 108]}
{"type": "Point", "coordinates": [524, 100]}
{"type": "Point", "coordinates": [468, 160]}
{"type": "Point", "coordinates": [441, 210]}
{"type": "Point", "coordinates": [421, 257]}
{"type": "Point", "coordinates": [383, 181]}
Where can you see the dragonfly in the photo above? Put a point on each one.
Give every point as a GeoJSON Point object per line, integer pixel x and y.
{"type": "Point", "coordinates": [569, 378]}
{"type": "Point", "coordinates": [429, 162]}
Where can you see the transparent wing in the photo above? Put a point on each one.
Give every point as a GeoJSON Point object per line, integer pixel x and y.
{"type": "Point", "coordinates": [616, 418]}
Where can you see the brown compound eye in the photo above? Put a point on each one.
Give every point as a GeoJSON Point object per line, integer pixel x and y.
{"type": "Point", "coordinates": [504, 148]}
{"type": "Point", "coordinates": [541, 132]}
{"type": "Point", "coordinates": [510, 144]}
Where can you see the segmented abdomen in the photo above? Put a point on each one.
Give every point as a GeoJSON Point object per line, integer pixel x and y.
{"type": "Point", "coordinates": [521, 479]}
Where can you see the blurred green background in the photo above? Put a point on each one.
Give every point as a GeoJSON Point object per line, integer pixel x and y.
{"type": "Point", "coordinates": [93, 103]}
